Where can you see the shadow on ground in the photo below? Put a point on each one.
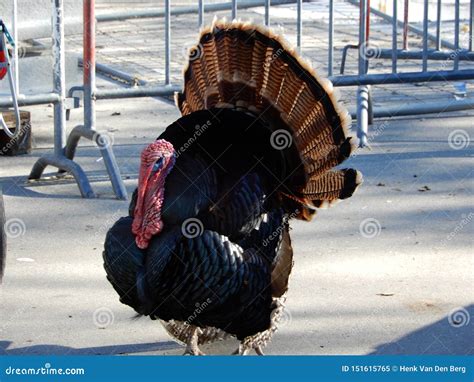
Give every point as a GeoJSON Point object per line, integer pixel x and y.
{"type": "Point", "coordinates": [50, 349]}
{"type": "Point", "coordinates": [452, 335]}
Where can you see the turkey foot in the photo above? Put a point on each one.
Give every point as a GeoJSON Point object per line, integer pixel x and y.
{"type": "Point", "coordinates": [192, 347]}
{"type": "Point", "coordinates": [245, 350]}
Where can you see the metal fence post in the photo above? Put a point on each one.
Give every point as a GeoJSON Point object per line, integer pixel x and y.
{"type": "Point", "coordinates": [16, 72]}
{"type": "Point", "coordinates": [394, 37]}
{"type": "Point", "coordinates": [331, 39]}
{"type": "Point", "coordinates": [471, 24]}
{"type": "Point", "coordinates": [59, 78]}
{"type": "Point", "coordinates": [234, 9]}
{"type": "Point", "coordinates": [89, 63]}
{"type": "Point", "coordinates": [362, 91]}
{"type": "Point", "coordinates": [456, 34]}
{"type": "Point", "coordinates": [299, 23]}
{"type": "Point", "coordinates": [267, 12]}
{"type": "Point", "coordinates": [201, 13]}
{"type": "Point", "coordinates": [425, 35]}
{"type": "Point", "coordinates": [167, 42]}
{"type": "Point", "coordinates": [438, 25]}
{"type": "Point", "coordinates": [405, 25]}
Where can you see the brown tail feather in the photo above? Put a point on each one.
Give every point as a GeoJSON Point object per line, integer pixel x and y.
{"type": "Point", "coordinates": [245, 66]}
{"type": "Point", "coordinates": [282, 266]}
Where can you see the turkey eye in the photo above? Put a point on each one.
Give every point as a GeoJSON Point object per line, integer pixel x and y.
{"type": "Point", "coordinates": [157, 165]}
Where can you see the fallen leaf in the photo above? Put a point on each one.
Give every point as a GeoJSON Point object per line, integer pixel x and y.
{"type": "Point", "coordinates": [424, 188]}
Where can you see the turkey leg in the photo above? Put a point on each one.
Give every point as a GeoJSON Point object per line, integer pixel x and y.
{"type": "Point", "coordinates": [192, 347]}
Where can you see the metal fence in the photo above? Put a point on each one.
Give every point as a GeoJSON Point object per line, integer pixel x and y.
{"type": "Point", "coordinates": [451, 52]}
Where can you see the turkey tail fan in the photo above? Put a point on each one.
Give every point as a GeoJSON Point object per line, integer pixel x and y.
{"type": "Point", "coordinates": [282, 265]}
{"type": "Point", "coordinates": [247, 67]}
{"type": "Point", "coordinates": [3, 238]}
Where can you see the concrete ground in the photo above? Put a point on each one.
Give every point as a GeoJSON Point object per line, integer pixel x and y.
{"type": "Point", "coordinates": [388, 271]}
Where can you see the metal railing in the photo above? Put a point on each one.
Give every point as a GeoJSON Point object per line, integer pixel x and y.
{"type": "Point", "coordinates": [64, 153]}
{"type": "Point", "coordinates": [363, 79]}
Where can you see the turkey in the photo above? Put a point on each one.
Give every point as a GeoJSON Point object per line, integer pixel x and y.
{"type": "Point", "coordinates": [206, 247]}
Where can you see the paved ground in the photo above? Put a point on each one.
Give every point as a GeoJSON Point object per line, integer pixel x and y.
{"type": "Point", "coordinates": [350, 294]}
{"type": "Point", "coordinates": [388, 271]}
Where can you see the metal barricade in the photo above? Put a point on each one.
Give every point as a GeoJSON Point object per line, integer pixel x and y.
{"type": "Point", "coordinates": [64, 153]}
{"type": "Point", "coordinates": [62, 157]}
{"type": "Point", "coordinates": [362, 79]}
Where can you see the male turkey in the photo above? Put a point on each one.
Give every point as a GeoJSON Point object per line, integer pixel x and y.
{"type": "Point", "coordinates": [206, 246]}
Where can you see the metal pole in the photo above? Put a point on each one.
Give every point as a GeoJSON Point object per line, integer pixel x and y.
{"type": "Point", "coordinates": [167, 42]}
{"type": "Point", "coordinates": [394, 37]}
{"type": "Point", "coordinates": [267, 12]}
{"type": "Point", "coordinates": [299, 24]}
{"type": "Point", "coordinates": [362, 91]}
{"type": "Point", "coordinates": [59, 77]}
{"type": "Point", "coordinates": [471, 24]}
{"type": "Point", "coordinates": [411, 28]}
{"type": "Point", "coordinates": [405, 25]}
{"type": "Point", "coordinates": [405, 77]}
{"type": "Point", "coordinates": [176, 11]}
{"type": "Point", "coordinates": [463, 54]}
{"type": "Point", "coordinates": [425, 35]}
{"type": "Point", "coordinates": [234, 9]}
{"type": "Point", "coordinates": [89, 63]}
{"type": "Point", "coordinates": [456, 35]}
{"type": "Point", "coordinates": [16, 71]}
{"type": "Point", "coordinates": [140, 91]}
{"type": "Point", "coordinates": [438, 25]}
{"type": "Point", "coordinates": [362, 37]}
{"type": "Point", "coordinates": [201, 13]}
{"type": "Point", "coordinates": [331, 38]}
{"type": "Point", "coordinates": [362, 114]}
{"type": "Point", "coordinates": [424, 108]}
{"type": "Point", "coordinates": [36, 99]}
